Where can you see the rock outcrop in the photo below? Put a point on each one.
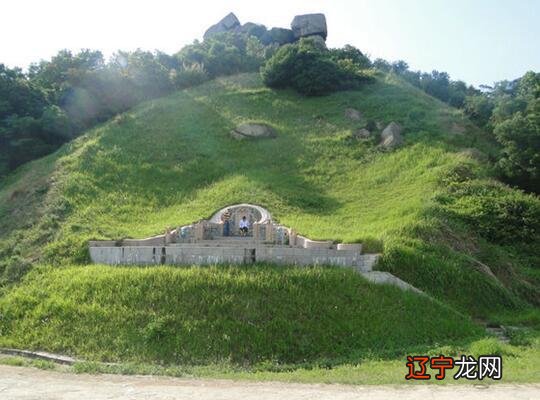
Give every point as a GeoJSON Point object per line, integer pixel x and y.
{"type": "Point", "coordinates": [309, 25]}
{"type": "Point", "coordinates": [252, 29]}
{"type": "Point", "coordinates": [253, 131]}
{"type": "Point", "coordinates": [391, 136]}
{"type": "Point", "coordinates": [228, 23]}
{"type": "Point", "coordinates": [312, 25]}
{"type": "Point", "coordinates": [353, 114]}
{"type": "Point", "coordinates": [362, 133]}
{"type": "Point", "coordinates": [280, 36]}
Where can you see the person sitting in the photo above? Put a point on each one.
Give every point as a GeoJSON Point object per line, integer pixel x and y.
{"type": "Point", "coordinates": [244, 226]}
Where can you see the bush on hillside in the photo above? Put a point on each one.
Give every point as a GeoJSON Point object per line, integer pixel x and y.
{"type": "Point", "coordinates": [520, 156]}
{"type": "Point", "coordinates": [188, 76]}
{"type": "Point", "coordinates": [496, 212]}
{"type": "Point", "coordinates": [352, 54]}
{"type": "Point", "coordinates": [310, 70]}
{"type": "Point", "coordinates": [13, 269]}
{"type": "Point", "coordinates": [224, 54]}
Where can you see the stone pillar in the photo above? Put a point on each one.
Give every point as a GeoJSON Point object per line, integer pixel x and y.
{"type": "Point", "coordinates": [270, 234]}
{"type": "Point", "coordinates": [222, 228]}
{"type": "Point", "coordinates": [199, 231]}
{"type": "Point", "coordinates": [292, 237]}
{"type": "Point", "coordinates": [168, 236]}
{"type": "Point", "coordinates": [256, 231]}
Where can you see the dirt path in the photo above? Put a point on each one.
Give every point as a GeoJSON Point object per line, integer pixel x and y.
{"type": "Point", "coordinates": [29, 383]}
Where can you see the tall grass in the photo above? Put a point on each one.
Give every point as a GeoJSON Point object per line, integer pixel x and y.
{"type": "Point", "coordinates": [221, 314]}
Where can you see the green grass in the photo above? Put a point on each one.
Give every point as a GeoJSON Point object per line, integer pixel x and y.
{"type": "Point", "coordinates": [208, 315]}
{"type": "Point", "coordinates": [520, 366]}
{"type": "Point", "coordinates": [16, 361]}
{"type": "Point", "coordinates": [171, 161]}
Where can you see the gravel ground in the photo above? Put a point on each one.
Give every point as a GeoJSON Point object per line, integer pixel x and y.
{"type": "Point", "coordinates": [30, 383]}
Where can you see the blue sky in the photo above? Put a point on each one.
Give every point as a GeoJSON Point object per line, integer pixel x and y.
{"type": "Point", "coordinates": [478, 41]}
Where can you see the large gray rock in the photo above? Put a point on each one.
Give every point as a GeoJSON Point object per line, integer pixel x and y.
{"type": "Point", "coordinates": [353, 114]}
{"type": "Point", "coordinates": [253, 131]}
{"type": "Point", "coordinates": [309, 25]}
{"type": "Point", "coordinates": [280, 36]}
{"type": "Point", "coordinates": [362, 134]}
{"type": "Point", "coordinates": [252, 29]}
{"type": "Point", "coordinates": [391, 136]}
{"type": "Point", "coordinates": [228, 23]}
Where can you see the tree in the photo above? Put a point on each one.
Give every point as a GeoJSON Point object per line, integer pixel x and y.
{"type": "Point", "coordinates": [399, 67]}
{"type": "Point", "coordinates": [18, 95]}
{"type": "Point", "coordinates": [436, 84]}
{"type": "Point", "coordinates": [457, 92]}
{"type": "Point", "coordinates": [478, 108]}
{"type": "Point", "coordinates": [382, 65]}
{"type": "Point", "coordinates": [63, 71]}
{"type": "Point", "coordinates": [520, 160]}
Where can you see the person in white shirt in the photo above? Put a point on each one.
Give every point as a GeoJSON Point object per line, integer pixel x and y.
{"type": "Point", "coordinates": [244, 226]}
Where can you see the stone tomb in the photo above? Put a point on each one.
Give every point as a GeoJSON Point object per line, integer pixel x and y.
{"type": "Point", "coordinates": [207, 242]}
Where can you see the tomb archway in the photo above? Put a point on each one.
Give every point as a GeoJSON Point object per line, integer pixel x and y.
{"type": "Point", "coordinates": [253, 213]}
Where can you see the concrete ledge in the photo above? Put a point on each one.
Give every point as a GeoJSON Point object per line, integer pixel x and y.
{"type": "Point", "coordinates": [153, 241]}
{"type": "Point", "coordinates": [386, 278]}
{"type": "Point", "coordinates": [103, 243]}
{"type": "Point", "coordinates": [350, 247]}
{"type": "Point", "coordinates": [40, 355]}
{"type": "Point", "coordinates": [317, 244]}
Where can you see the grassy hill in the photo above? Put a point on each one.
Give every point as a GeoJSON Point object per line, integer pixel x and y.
{"type": "Point", "coordinates": [172, 161]}
{"type": "Point", "coordinates": [215, 315]}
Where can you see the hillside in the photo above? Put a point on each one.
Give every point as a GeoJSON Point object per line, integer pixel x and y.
{"type": "Point", "coordinates": [172, 161]}
{"type": "Point", "coordinates": [209, 315]}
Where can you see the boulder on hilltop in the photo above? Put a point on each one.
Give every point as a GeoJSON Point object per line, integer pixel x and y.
{"type": "Point", "coordinates": [228, 23]}
{"type": "Point", "coordinates": [309, 25]}
{"type": "Point", "coordinates": [313, 25]}
{"type": "Point", "coordinates": [280, 36]}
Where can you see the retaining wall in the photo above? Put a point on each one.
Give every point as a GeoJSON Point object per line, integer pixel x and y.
{"type": "Point", "coordinates": [204, 255]}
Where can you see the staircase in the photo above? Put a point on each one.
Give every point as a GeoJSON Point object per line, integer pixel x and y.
{"type": "Point", "coordinates": [230, 241]}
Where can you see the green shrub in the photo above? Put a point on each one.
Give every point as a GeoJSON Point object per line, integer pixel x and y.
{"type": "Point", "coordinates": [190, 75]}
{"type": "Point", "coordinates": [310, 70]}
{"type": "Point", "coordinates": [224, 54]}
{"type": "Point", "coordinates": [489, 346]}
{"type": "Point", "coordinates": [351, 54]}
{"type": "Point", "coordinates": [520, 336]}
{"type": "Point", "coordinates": [14, 269]}
{"type": "Point", "coordinates": [496, 212]}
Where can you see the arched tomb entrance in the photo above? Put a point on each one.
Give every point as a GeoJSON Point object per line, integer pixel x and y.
{"type": "Point", "coordinates": [232, 215]}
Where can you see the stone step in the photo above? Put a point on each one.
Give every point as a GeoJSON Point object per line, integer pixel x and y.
{"type": "Point", "coordinates": [223, 243]}
{"type": "Point", "coordinates": [227, 242]}
{"type": "Point", "coordinates": [244, 242]}
{"type": "Point", "coordinates": [500, 333]}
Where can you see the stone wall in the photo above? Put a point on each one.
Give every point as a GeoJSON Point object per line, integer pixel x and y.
{"type": "Point", "coordinates": [194, 254]}
{"type": "Point", "coordinates": [202, 242]}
